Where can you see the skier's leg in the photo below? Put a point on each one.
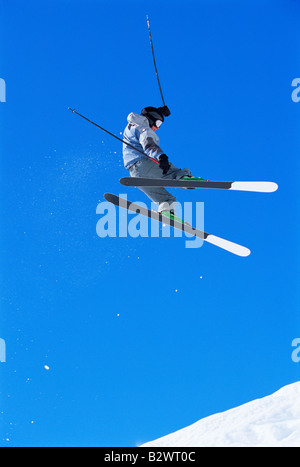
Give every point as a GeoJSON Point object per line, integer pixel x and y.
{"type": "Point", "coordinates": [159, 195]}
{"type": "Point", "coordinates": [175, 173]}
{"type": "Point", "coordinates": [148, 169]}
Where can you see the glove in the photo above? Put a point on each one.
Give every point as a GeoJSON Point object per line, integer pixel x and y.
{"type": "Point", "coordinates": [164, 164]}
{"type": "Point", "coordinates": [165, 110]}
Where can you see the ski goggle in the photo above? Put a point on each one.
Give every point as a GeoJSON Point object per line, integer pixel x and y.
{"type": "Point", "coordinates": [158, 123]}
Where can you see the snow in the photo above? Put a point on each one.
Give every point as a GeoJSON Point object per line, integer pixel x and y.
{"type": "Point", "coordinates": [273, 421]}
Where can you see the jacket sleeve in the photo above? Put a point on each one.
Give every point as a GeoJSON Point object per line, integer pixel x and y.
{"type": "Point", "coordinates": [150, 143]}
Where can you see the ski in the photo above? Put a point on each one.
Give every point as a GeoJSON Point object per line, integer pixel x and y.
{"type": "Point", "coordinates": [177, 224]}
{"type": "Point", "coordinates": [193, 182]}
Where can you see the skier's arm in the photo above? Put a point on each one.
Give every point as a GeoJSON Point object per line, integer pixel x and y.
{"type": "Point", "coordinates": [150, 145]}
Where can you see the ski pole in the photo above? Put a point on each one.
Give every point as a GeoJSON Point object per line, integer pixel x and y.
{"type": "Point", "coordinates": [111, 134]}
{"type": "Point", "coordinates": [154, 61]}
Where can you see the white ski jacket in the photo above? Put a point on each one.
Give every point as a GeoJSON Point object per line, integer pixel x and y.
{"type": "Point", "coordinates": [139, 134]}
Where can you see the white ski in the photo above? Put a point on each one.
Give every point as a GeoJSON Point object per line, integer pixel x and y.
{"type": "Point", "coordinates": [192, 183]}
{"type": "Point", "coordinates": [213, 239]}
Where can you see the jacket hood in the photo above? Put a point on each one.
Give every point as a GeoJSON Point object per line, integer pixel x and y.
{"type": "Point", "coordinates": [137, 120]}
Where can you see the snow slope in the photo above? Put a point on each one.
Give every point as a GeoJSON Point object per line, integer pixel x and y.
{"type": "Point", "coordinates": [272, 421]}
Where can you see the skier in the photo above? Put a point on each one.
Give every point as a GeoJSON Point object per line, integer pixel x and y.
{"type": "Point", "coordinates": [141, 134]}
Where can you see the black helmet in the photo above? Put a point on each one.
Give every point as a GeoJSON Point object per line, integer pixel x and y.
{"type": "Point", "coordinates": [155, 114]}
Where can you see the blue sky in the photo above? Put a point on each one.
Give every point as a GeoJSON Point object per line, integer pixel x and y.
{"type": "Point", "coordinates": [137, 344]}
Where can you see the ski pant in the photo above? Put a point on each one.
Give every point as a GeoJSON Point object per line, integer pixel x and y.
{"type": "Point", "coordinates": [159, 195]}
